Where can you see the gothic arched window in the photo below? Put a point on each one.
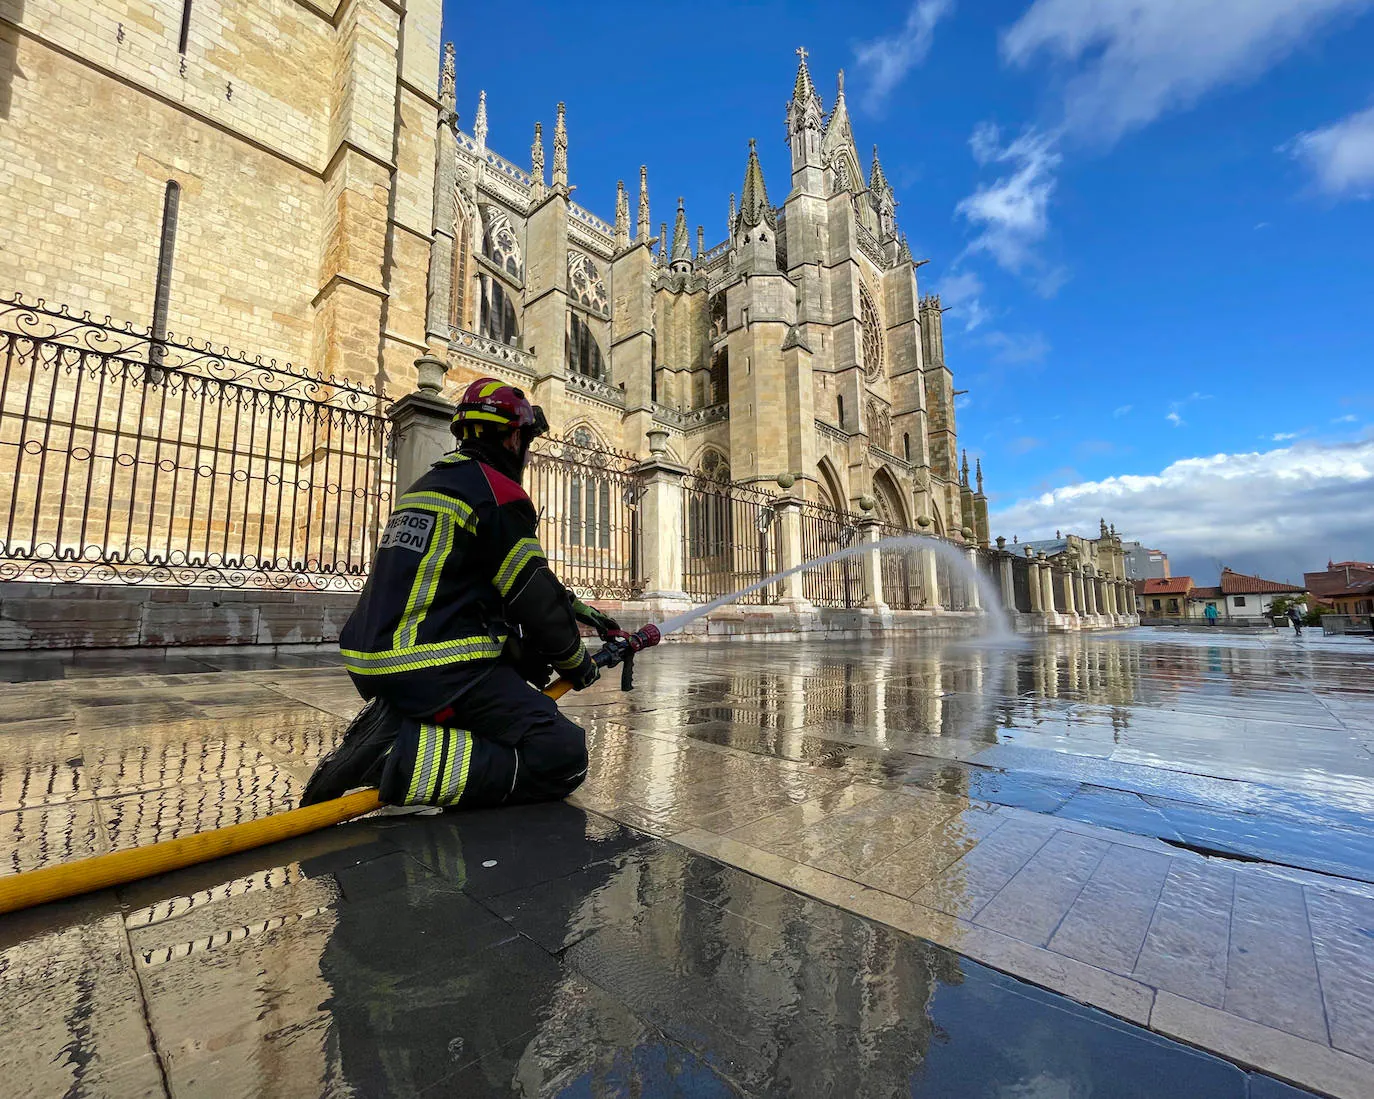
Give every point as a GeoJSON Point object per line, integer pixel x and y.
{"type": "Point", "coordinates": [717, 313]}
{"type": "Point", "coordinates": [872, 334]}
{"type": "Point", "coordinates": [720, 376]}
{"type": "Point", "coordinates": [879, 425]}
{"type": "Point", "coordinates": [499, 242]}
{"type": "Point", "coordinates": [497, 319]}
{"type": "Point", "coordinates": [583, 352]}
{"type": "Point", "coordinates": [709, 520]}
{"type": "Point", "coordinates": [584, 281]}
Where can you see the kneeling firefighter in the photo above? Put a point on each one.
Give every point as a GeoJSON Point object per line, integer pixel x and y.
{"type": "Point", "coordinates": [460, 615]}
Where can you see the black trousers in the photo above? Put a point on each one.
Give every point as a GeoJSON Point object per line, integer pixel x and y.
{"type": "Point", "coordinates": [506, 743]}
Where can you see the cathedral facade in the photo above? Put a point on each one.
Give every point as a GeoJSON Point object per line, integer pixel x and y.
{"type": "Point", "coordinates": [799, 347]}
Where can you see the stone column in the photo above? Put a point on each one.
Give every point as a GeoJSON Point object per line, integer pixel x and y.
{"type": "Point", "coordinates": [872, 562]}
{"type": "Point", "coordinates": [1076, 592]}
{"type": "Point", "coordinates": [420, 433]}
{"type": "Point", "coordinates": [1008, 583]}
{"type": "Point", "coordinates": [661, 525]}
{"type": "Point", "coordinates": [975, 601]}
{"type": "Point", "coordinates": [1089, 584]}
{"type": "Point", "coordinates": [1046, 588]}
{"type": "Point", "coordinates": [929, 564]}
{"type": "Point", "coordinates": [787, 516]}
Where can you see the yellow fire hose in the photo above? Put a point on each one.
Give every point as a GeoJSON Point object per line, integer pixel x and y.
{"type": "Point", "coordinates": [71, 879]}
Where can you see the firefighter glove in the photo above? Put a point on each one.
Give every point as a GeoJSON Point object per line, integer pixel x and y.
{"type": "Point", "coordinates": [601, 622]}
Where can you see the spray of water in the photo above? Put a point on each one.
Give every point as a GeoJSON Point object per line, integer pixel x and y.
{"type": "Point", "coordinates": [998, 623]}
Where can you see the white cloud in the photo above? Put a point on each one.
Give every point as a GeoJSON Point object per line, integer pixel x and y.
{"type": "Point", "coordinates": [1122, 411]}
{"type": "Point", "coordinates": [1175, 419]}
{"type": "Point", "coordinates": [1347, 419]}
{"type": "Point", "coordinates": [1282, 436]}
{"type": "Point", "coordinates": [1340, 156]}
{"type": "Point", "coordinates": [1275, 513]}
{"type": "Point", "coordinates": [887, 60]}
{"type": "Point", "coordinates": [1130, 61]}
{"type": "Point", "coordinates": [1012, 212]}
{"type": "Point", "coordinates": [961, 294]}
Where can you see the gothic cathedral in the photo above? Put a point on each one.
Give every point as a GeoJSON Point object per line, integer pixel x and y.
{"type": "Point", "coordinates": [799, 347]}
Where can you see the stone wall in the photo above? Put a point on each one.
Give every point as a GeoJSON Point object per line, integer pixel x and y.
{"type": "Point", "coordinates": [306, 203]}
{"type": "Point", "coordinates": [93, 616]}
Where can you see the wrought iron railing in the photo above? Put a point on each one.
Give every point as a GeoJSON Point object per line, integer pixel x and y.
{"type": "Point", "coordinates": [823, 531]}
{"type": "Point", "coordinates": [730, 540]}
{"type": "Point", "coordinates": [903, 581]}
{"type": "Point", "coordinates": [588, 502]}
{"type": "Point", "coordinates": [133, 460]}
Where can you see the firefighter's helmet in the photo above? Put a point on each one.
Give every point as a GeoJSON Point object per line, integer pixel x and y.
{"type": "Point", "coordinates": [492, 405]}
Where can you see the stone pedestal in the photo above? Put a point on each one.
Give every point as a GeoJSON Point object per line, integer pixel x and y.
{"type": "Point", "coordinates": [1008, 583]}
{"type": "Point", "coordinates": [787, 516]}
{"type": "Point", "coordinates": [661, 526]}
{"type": "Point", "coordinates": [872, 565]}
{"type": "Point", "coordinates": [420, 433]}
{"type": "Point", "coordinates": [975, 599]}
{"type": "Point", "coordinates": [930, 578]}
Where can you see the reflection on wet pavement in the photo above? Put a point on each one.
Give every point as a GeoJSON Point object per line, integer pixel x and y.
{"type": "Point", "coordinates": [1174, 831]}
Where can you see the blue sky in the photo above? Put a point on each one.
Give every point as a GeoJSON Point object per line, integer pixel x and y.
{"type": "Point", "coordinates": [1152, 220]}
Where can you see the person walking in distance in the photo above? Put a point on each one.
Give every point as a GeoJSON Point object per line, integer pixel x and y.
{"type": "Point", "coordinates": [1295, 617]}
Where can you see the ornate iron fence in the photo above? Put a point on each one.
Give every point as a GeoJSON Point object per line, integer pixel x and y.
{"type": "Point", "coordinates": [1057, 579]}
{"type": "Point", "coordinates": [823, 531]}
{"type": "Point", "coordinates": [133, 460]}
{"type": "Point", "coordinates": [1021, 583]}
{"type": "Point", "coordinates": [588, 501]}
{"type": "Point", "coordinates": [903, 580]}
{"type": "Point", "coordinates": [729, 540]}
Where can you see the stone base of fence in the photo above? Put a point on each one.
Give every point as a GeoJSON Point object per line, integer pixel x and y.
{"type": "Point", "coordinates": [95, 616]}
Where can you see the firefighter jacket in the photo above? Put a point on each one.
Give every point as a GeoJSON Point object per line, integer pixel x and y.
{"type": "Point", "coordinates": [457, 569]}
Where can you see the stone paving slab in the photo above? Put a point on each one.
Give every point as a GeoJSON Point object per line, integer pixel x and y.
{"type": "Point", "coordinates": [841, 773]}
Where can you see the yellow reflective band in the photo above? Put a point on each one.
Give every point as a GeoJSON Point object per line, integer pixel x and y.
{"type": "Point", "coordinates": [437, 502]}
{"type": "Point", "coordinates": [426, 582]}
{"type": "Point", "coordinates": [490, 388]}
{"type": "Point", "coordinates": [455, 778]}
{"type": "Point", "coordinates": [572, 661]}
{"type": "Point", "coordinates": [521, 554]}
{"type": "Point", "coordinates": [489, 417]}
{"type": "Point", "coordinates": [430, 655]}
{"type": "Point", "coordinates": [426, 754]}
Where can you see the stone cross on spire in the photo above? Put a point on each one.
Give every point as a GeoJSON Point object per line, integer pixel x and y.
{"type": "Point", "coordinates": [622, 216]}
{"type": "Point", "coordinates": [804, 111]}
{"type": "Point", "coordinates": [802, 53]}
{"type": "Point", "coordinates": [642, 233]}
{"type": "Point", "coordinates": [537, 162]}
{"type": "Point", "coordinates": [560, 150]}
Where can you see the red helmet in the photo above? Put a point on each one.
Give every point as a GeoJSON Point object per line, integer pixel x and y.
{"type": "Point", "coordinates": [488, 401]}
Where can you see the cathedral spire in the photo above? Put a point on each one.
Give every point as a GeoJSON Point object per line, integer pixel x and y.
{"type": "Point", "coordinates": [877, 181]}
{"type": "Point", "coordinates": [642, 233]}
{"type": "Point", "coordinates": [701, 242]}
{"type": "Point", "coordinates": [662, 242]}
{"type": "Point", "coordinates": [560, 150]}
{"type": "Point", "coordinates": [754, 208]}
{"type": "Point", "coordinates": [622, 216]}
{"type": "Point", "coordinates": [904, 252]}
{"type": "Point", "coordinates": [479, 124]}
{"type": "Point", "coordinates": [978, 462]}
{"type": "Point", "coordinates": [839, 133]}
{"type": "Point", "coordinates": [537, 162]}
{"type": "Point", "coordinates": [682, 247]}
{"type": "Point", "coordinates": [963, 473]}
{"type": "Point", "coordinates": [804, 112]}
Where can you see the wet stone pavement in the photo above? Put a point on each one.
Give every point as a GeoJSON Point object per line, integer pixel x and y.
{"type": "Point", "coordinates": [1122, 865]}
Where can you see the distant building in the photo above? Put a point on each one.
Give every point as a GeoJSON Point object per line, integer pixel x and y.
{"type": "Point", "coordinates": [1252, 596]}
{"type": "Point", "coordinates": [1163, 597]}
{"type": "Point", "coordinates": [1347, 587]}
{"type": "Point", "coordinates": [1199, 599]}
{"type": "Point", "coordinates": [1145, 564]}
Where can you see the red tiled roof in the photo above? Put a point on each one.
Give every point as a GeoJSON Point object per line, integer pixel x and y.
{"type": "Point", "coordinates": [1359, 587]}
{"type": "Point", "coordinates": [1337, 577]}
{"type": "Point", "coordinates": [1237, 583]}
{"type": "Point", "coordinates": [1205, 593]}
{"type": "Point", "coordinates": [1177, 585]}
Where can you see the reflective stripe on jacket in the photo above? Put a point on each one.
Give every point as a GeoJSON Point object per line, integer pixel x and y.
{"type": "Point", "coordinates": [457, 566]}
